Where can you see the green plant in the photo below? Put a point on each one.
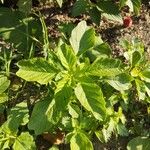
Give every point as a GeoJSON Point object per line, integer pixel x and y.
{"type": "Point", "coordinates": [77, 102]}
{"type": "Point", "coordinates": [108, 9]}
{"type": "Point", "coordinates": [9, 132]}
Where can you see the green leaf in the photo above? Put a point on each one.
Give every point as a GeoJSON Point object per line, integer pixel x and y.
{"type": "Point", "coordinates": [110, 10]}
{"type": "Point", "coordinates": [140, 87]}
{"type": "Point", "coordinates": [24, 142]}
{"type": "Point", "coordinates": [36, 69]}
{"type": "Point", "coordinates": [4, 83]}
{"type": "Point", "coordinates": [147, 88]}
{"type": "Point", "coordinates": [121, 82]}
{"type": "Point", "coordinates": [136, 56]}
{"type": "Point", "coordinates": [27, 30]}
{"type": "Point", "coordinates": [95, 15]}
{"type": "Point", "coordinates": [87, 41]}
{"type": "Point", "coordinates": [122, 3]}
{"type": "Point", "coordinates": [136, 6]}
{"type": "Point", "coordinates": [91, 97]}
{"type": "Point", "coordinates": [39, 121]}
{"type": "Point", "coordinates": [62, 95]}
{"type": "Point", "coordinates": [54, 147]}
{"type": "Point", "coordinates": [103, 49]}
{"type": "Point", "coordinates": [122, 130]}
{"type": "Point", "coordinates": [17, 116]}
{"type": "Point", "coordinates": [67, 56]}
{"type": "Point", "coordinates": [82, 38]}
{"type": "Point", "coordinates": [60, 2]}
{"type": "Point", "coordinates": [130, 5]}
{"type": "Point", "coordinates": [139, 143]}
{"type": "Point", "coordinates": [5, 145]}
{"type": "Point", "coordinates": [79, 7]}
{"type": "Point", "coordinates": [3, 98]}
{"type": "Point", "coordinates": [74, 110]}
{"type": "Point", "coordinates": [25, 6]}
{"type": "Point", "coordinates": [80, 141]}
{"type": "Point", "coordinates": [145, 75]}
{"type": "Point", "coordinates": [105, 67]}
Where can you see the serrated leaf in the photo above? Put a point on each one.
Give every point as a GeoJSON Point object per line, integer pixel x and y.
{"type": "Point", "coordinates": [105, 134]}
{"type": "Point", "coordinates": [91, 97]}
{"type": "Point", "coordinates": [36, 69]}
{"type": "Point", "coordinates": [121, 82]}
{"type": "Point", "coordinates": [4, 83]}
{"type": "Point", "coordinates": [80, 141]}
{"type": "Point", "coordinates": [105, 67]}
{"type": "Point", "coordinates": [139, 143]}
{"type": "Point", "coordinates": [79, 7]}
{"type": "Point", "coordinates": [122, 130]}
{"type": "Point", "coordinates": [24, 142]}
{"type": "Point", "coordinates": [82, 38]}
{"type": "Point", "coordinates": [67, 56]}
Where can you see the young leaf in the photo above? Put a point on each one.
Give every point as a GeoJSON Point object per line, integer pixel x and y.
{"type": "Point", "coordinates": [80, 141]}
{"type": "Point", "coordinates": [82, 38]}
{"type": "Point", "coordinates": [67, 56]}
{"type": "Point", "coordinates": [105, 67]}
{"type": "Point", "coordinates": [4, 83]}
{"type": "Point", "coordinates": [91, 97]}
{"type": "Point", "coordinates": [36, 69]}
{"type": "Point", "coordinates": [121, 82]}
{"type": "Point", "coordinates": [24, 142]}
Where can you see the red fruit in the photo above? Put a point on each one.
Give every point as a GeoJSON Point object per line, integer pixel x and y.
{"type": "Point", "coordinates": [127, 22]}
